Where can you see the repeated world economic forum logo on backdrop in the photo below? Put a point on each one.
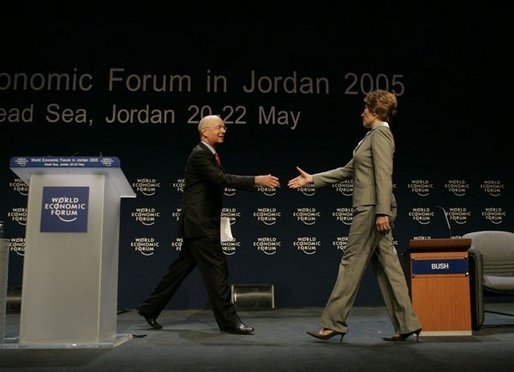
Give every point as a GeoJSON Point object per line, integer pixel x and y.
{"type": "Point", "coordinates": [64, 209]}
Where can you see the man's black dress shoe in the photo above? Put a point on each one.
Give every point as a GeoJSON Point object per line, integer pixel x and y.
{"type": "Point", "coordinates": [153, 323]}
{"type": "Point", "coordinates": [240, 329]}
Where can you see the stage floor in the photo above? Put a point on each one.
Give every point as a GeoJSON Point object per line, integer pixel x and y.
{"type": "Point", "coordinates": [190, 341]}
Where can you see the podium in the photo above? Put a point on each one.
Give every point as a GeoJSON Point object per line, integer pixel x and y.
{"type": "Point", "coordinates": [439, 285]}
{"type": "Point", "coordinates": [70, 268]}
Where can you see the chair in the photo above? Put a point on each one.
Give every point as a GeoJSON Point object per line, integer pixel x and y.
{"type": "Point", "coordinates": [491, 267]}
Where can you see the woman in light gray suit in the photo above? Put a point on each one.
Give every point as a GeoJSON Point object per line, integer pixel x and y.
{"type": "Point", "coordinates": [370, 237]}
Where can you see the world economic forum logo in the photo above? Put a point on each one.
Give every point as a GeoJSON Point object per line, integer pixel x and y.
{"type": "Point", "coordinates": [64, 209]}
{"type": "Point", "coordinates": [421, 187]}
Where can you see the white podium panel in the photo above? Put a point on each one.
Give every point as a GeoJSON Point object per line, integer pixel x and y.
{"type": "Point", "coordinates": [70, 269]}
{"type": "Point", "coordinates": [4, 267]}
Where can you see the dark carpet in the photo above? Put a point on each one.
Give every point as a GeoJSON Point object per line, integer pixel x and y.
{"type": "Point", "coordinates": [190, 341]}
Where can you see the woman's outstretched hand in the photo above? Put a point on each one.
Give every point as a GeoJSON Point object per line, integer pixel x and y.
{"type": "Point", "coordinates": [301, 180]}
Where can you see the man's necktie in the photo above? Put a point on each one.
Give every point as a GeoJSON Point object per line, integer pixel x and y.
{"type": "Point", "coordinates": [217, 158]}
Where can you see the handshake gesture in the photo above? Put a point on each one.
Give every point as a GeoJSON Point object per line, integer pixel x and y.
{"type": "Point", "coordinates": [271, 181]}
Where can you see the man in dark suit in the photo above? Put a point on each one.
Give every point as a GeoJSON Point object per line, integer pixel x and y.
{"type": "Point", "coordinates": [199, 226]}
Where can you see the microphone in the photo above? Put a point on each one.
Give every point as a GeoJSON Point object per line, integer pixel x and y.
{"type": "Point", "coordinates": [447, 220]}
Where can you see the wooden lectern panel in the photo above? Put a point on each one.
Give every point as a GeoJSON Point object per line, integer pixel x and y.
{"type": "Point", "coordinates": [439, 245]}
{"type": "Point", "coordinates": [439, 285]}
{"type": "Point", "coordinates": [442, 301]}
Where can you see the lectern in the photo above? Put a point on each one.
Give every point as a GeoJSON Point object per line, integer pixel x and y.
{"type": "Point", "coordinates": [70, 268]}
{"type": "Point", "coordinates": [439, 285]}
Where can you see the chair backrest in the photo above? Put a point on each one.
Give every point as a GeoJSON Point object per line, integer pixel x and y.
{"type": "Point", "coordinates": [497, 250]}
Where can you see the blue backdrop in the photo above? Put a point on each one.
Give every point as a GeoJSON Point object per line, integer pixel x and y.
{"type": "Point", "coordinates": [289, 81]}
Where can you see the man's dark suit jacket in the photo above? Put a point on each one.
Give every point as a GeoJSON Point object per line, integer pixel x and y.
{"type": "Point", "coordinates": [205, 183]}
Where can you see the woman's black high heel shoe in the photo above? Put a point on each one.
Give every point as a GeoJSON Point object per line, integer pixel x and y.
{"type": "Point", "coordinates": [403, 336]}
{"type": "Point", "coordinates": [327, 336]}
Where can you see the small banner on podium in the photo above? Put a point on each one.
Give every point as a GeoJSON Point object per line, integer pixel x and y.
{"type": "Point", "coordinates": [64, 209]}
